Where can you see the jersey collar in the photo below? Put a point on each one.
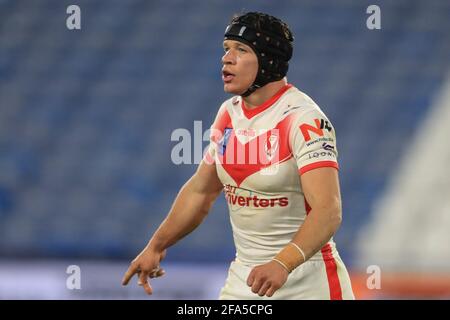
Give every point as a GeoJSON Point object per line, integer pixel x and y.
{"type": "Point", "coordinates": [250, 113]}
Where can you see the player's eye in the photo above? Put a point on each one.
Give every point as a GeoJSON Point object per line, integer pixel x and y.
{"type": "Point", "coordinates": [242, 49]}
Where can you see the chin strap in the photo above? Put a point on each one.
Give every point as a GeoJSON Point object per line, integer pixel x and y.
{"type": "Point", "coordinates": [250, 90]}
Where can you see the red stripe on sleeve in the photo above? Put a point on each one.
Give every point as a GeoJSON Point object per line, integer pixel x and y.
{"type": "Point", "coordinates": [316, 165]}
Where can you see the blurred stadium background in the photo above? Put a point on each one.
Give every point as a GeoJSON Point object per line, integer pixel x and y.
{"type": "Point", "coordinates": [86, 119]}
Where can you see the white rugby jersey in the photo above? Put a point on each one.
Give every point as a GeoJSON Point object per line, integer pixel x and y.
{"type": "Point", "coordinates": [259, 154]}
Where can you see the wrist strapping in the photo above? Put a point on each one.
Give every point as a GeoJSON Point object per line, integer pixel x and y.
{"type": "Point", "coordinates": [290, 257]}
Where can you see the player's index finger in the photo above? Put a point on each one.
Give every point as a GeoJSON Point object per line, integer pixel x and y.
{"type": "Point", "coordinates": [128, 275]}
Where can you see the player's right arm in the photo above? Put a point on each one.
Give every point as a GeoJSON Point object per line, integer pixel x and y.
{"type": "Point", "coordinates": [190, 207]}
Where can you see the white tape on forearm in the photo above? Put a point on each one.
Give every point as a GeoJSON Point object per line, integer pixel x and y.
{"type": "Point", "coordinates": [300, 250]}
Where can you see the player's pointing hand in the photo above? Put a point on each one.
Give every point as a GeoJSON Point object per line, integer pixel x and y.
{"type": "Point", "coordinates": [145, 265]}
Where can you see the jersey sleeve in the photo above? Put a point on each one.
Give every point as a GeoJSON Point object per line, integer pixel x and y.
{"type": "Point", "coordinates": [313, 142]}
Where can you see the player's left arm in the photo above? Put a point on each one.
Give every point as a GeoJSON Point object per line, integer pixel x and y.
{"type": "Point", "coordinates": [313, 143]}
{"type": "Point", "coordinates": [322, 192]}
{"type": "Point", "coordinates": [321, 189]}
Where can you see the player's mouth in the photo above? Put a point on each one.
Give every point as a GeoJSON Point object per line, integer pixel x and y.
{"type": "Point", "coordinates": [227, 76]}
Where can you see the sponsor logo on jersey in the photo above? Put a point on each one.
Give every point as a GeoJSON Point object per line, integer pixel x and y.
{"type": "Point", "coordinates": [327, 146]}
{"type": "Point", "coordinates": [321, 124]}
{"type": "Point", "coordinates": [323, 139]}
{"type": "Point", "coordinates": [236, 197]}
{"type": "Point", "coordinates": [321, 154]}
{"type": "Point", "coordinates": [290, 109]}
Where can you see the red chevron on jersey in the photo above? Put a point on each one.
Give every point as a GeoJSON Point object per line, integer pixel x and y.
{"type": "Point", "coordinates": [241, 160]}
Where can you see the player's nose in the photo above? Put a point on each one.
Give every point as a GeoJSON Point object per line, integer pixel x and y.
{"type": "Point", "coordinates": [228, 57]}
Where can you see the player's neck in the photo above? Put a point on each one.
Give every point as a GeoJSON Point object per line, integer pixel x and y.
{"type": "Point", "coordinates": [263, 94]}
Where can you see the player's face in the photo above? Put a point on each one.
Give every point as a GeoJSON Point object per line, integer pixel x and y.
{"type": "Point", "coordinates": [240, 67]}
